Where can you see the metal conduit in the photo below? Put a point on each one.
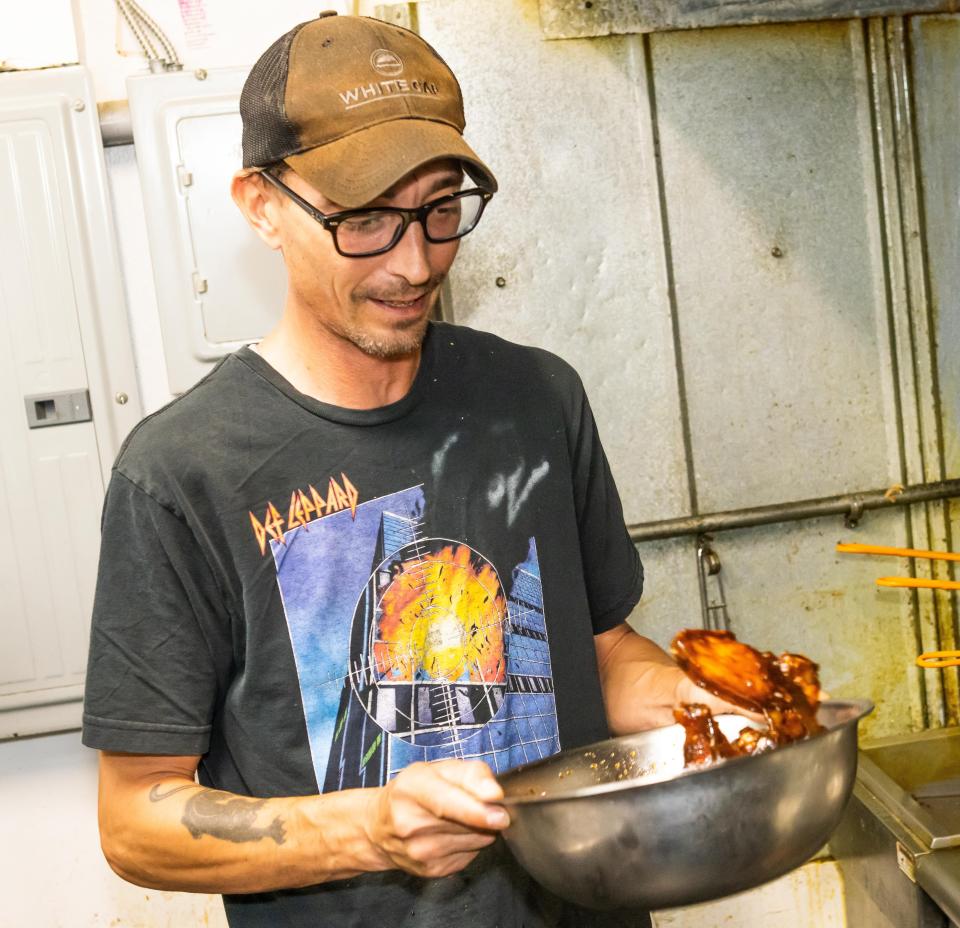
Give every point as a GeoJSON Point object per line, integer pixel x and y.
{"type": "Point", "coordinates": [116, 127]}
{"type": "Point", "coordinates": [851, 506]}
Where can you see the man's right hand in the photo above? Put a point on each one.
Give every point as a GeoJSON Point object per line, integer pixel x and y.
{"type": "Point", "coordinates": [432, 819]}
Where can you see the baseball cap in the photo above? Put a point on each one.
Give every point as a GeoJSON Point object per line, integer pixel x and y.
{"type": "Point", "coordinates": [353, 104]}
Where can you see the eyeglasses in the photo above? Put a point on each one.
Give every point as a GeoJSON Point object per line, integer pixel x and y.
{"type": "Point", "coordinates": [362, 233]}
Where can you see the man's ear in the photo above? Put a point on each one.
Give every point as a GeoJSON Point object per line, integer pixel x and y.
{"type": "Point", "coordinates": [259, 208]}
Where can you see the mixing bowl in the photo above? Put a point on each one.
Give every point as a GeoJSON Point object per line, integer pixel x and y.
{"type": "Point", "coordinates": [621, 823]}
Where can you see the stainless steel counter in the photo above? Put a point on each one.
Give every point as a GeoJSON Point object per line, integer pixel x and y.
{"type": "Point", "coordinates": [899, 850]}
{"type": "Point", "coordinates": [939, 876]}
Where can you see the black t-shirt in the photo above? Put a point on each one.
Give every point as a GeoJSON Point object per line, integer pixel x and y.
{"type": "Point", "coordinates": [314, 597]}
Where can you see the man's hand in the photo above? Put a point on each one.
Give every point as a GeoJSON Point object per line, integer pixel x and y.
{"type": "Point", "coordinates": [434, 818]}
{"type": "Point", "coordinates": [642, 684]}
{"type": "Point", "coordinates": [160, 828]}
{"type": "Point", "coordinates": [689, 692]}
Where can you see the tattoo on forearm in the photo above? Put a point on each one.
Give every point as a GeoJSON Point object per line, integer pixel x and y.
{"type": "Point", "coordinates": [232, 818]}
{"type": "Point", "coordinates": [156, 795]}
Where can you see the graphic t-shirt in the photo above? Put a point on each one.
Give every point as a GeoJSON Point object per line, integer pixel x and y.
{"type": "Point", "coordinates": [314, 597]}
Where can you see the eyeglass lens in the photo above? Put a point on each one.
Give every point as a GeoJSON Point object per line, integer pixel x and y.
{"type": "Point", "coordinates": [373, 231]}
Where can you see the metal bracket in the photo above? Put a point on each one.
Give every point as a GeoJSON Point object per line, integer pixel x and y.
{"type": "Point", "coordinates": [906, 862]}
{"type": "Point", "coordinates": [854, 514]}
{"type": "Point", "coordinates": [715, 615]}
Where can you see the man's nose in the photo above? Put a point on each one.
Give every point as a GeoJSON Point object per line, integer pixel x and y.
{"type": "Point", "coordinates": [409, 258]}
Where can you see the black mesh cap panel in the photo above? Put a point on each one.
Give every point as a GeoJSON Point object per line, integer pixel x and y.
{"type": "Point", "coordinates": [268, 136]}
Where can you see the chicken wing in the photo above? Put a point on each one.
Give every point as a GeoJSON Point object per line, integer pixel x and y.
{"type": "Point", "coordinates": [784, 689]}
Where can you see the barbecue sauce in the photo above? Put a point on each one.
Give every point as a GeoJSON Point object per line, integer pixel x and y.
{"type": "Point", "coordinates": [785, 690]}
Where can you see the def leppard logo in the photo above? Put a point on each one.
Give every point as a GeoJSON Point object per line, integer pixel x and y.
{"type": "Point", "coordinates": [305, 506]}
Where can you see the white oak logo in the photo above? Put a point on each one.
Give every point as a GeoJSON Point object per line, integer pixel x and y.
{"type": "Point", "coordinates": [368, 93]}
{"type": "Point", "coordinates": [386, 62]}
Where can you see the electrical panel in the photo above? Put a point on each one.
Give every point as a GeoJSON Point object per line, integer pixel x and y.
{"type": "Point", "coordinates": [218, 286]}
{"type": "Point", "coordinates": [67, 389]}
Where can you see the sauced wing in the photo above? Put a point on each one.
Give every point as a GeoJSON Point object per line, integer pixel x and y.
{"type": "Point", "coordinates": [725, 667]}
{"type": "Point", "coordinates": [704, 742]}
{"type": "Point", "coordinates": [802, 673]}
{"type": "Point", "coordinates": [785, 689]}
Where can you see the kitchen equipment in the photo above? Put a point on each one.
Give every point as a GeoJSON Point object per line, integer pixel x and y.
{"type": "Point", "coordinates": [939, 789]}
{"type": "Point", "coordinates": [621, 823]}
{"type": "Point", "coordinates": [714, 609]}
{"type": "Point", "coordinates": [918, 583]}
{"type": "Point", "coordinates": [855, 548]}
{"type": "Point", "coordinates": [898, 843]}
{"type": "Point", "coordinates": [933, 660]}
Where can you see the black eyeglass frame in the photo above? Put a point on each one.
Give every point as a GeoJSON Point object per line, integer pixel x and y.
{"type": "Point", "coordinates": [330, 221]}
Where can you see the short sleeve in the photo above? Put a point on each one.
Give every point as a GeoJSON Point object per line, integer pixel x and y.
{"type": "Point", "coordinates": [151, 685]}
{"type": "Point", "coordinates": [611, 564]}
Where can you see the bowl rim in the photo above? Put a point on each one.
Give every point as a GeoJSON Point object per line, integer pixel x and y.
{"type": "Point", "coordinates": [860, 708]}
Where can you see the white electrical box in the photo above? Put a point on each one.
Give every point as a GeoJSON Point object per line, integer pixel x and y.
{"type": "Point", "coordinates": [218, 286]}
{"type": "Point", "coordinates": [67, 389]}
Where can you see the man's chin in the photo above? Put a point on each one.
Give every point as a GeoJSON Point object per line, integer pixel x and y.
{"type": "Point", "coordinates": [393, 344]}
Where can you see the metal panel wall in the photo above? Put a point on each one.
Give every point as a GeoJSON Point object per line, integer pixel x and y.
{"type": "Point", "coordinates": [772, 218]}
{"type": "Point", "coordinates": [934, 55]}
{"type": "Point", "coordinates": [573, 236]}
{"type": "Point", "coordinates": [565, 19]}
{"type": "Point", "coordinates": [714, 228]}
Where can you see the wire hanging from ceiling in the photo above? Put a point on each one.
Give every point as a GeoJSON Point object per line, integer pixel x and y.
{"type": "Point", "coordinates": [157, 48]}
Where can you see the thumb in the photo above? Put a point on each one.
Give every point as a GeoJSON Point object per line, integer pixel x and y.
{"type": "Point", "coordinates": [691, 693]}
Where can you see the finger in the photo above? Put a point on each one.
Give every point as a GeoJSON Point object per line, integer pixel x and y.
{"type": "Point", "coordinates": [657, 717]}
{"type": "Point", "coordinates": [722, 707]}
{"type": "Point", "coordinates": [448, 800]}
{"type": "Point", "coordinates": [425, 848]}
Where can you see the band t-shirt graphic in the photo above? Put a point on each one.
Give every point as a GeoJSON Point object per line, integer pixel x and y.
{"type": "Point", "coordinates": [312, 598]}
{"type": "Point", "coordinates": [420, 651]}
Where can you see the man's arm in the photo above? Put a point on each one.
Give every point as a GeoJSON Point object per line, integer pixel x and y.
{"type": "Point", "coordinates": [642, 684]}
{"type": "Point", "coordinates": [161, 829]}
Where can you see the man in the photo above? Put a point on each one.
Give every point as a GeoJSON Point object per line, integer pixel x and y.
{"type": "Point", "coordinates": [367, 563]}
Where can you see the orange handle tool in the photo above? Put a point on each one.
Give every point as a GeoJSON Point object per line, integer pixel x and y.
{"type": "Point", "coordinates": [916, 583]}
{"type": "Point", "coordinates": [935, 659]}
{"type": "Point", "coordinates": [855, 548]}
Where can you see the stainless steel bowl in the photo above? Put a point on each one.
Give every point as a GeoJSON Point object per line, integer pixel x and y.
{"type": "Point", "coordinates": [621, 824]}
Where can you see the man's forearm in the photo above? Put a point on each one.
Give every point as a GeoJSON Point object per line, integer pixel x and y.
{"type": "Point", "coordinates": [174, 834]}
{"type": "Point", "coordinates": [640, 681]}
{"type": "Point", "coordinates": [642, 684]}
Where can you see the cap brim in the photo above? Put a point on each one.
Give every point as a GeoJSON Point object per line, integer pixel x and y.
{"type": "Point", "coordinates": [355, 170]}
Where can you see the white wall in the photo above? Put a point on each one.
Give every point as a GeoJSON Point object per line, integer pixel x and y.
{"type": "Point", "coordinates": [53, 873]}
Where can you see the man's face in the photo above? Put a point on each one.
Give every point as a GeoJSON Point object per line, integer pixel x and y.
{"type": "Point", "coordinates": [380, 304]}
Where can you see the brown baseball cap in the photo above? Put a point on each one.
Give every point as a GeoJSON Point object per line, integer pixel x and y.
{"type": "Point", "coordinates": [353, 104]}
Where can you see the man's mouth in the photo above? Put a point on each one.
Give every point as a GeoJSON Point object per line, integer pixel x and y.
{"type": "Point", "coordinates": [415, 304]}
